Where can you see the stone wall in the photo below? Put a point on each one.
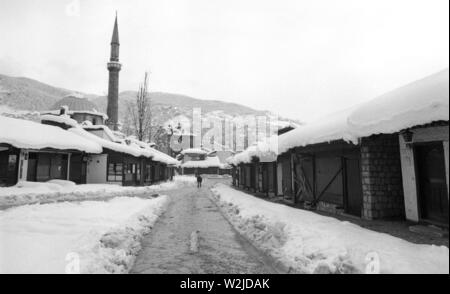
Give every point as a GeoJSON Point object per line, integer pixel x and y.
{"type": "Point", "coordinates": [381, 177]}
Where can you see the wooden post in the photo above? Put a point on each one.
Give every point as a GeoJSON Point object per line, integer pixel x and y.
{"type": "Point", "coordinates": [293, 192]}
{"type": "Point", "coordinates": [446, 164]}
{"type": "Point", "coordinates": [68, 166]}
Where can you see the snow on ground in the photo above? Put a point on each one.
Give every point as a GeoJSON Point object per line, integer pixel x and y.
{"type": "Point", "coordinates": [99, 236]}
{"type": "Point", "coordinates": [57, 190]}
{"type": "Point", "coordinates": [307, 242]}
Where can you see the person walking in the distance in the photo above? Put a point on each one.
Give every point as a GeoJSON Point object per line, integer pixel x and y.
{"type": "Point", "coordinates": [199, 181]}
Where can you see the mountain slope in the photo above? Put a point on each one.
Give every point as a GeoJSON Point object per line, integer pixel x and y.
{"type": "Point", "coordinates": [27, 94]}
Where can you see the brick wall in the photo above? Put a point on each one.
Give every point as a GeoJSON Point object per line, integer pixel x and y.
{"type": "Point", "coordinates": [381, 177]}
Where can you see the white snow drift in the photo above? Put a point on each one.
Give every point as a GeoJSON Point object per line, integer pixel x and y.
{"type": "Point", "coordinates": [69, 237]}
{"type": "Point", "coordinates": [307, 242]}
{"type": "Point", "coordinates": [58, 190]}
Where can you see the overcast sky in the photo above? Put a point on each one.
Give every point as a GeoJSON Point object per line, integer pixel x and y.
{"type": "Point", "coordinates": [299, 58]}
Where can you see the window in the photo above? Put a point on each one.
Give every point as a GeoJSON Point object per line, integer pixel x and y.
{"type": "Point", "coordinates": [8, 168]}
{"type": "Point", "coordinates": [130, 171]}
{"type": "Point", "coordinates": [12, 164]}
{"type": "Point", "coordinates": [43, 167]}
{"type": "Point", "coordinates": [148, 173]}
{"type": "Point", "coordinates": [138, 172]}
{"type": "Point", "coordinates": [115, 172]}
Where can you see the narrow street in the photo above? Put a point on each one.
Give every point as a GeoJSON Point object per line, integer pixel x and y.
{"type": "Point", "coordinates": [193, 237]}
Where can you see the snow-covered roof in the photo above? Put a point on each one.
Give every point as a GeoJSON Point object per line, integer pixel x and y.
{"type": "Point", "coordinates": [135, 147]}
{"type": "Point", "coordinates": [87, 125]}
{"type": "Point", "coordinates": [418, 103]}
{"type": "Point", "coordinates": [209, 161]}
{"type": "Point", "coordinates": [163, 157]}
{"type": "Point", "coordinates": [61, 119]}
{"type": "Point", "coordinates": [118, 147]}
{"type": "Point", "coordinates": [265, 151]}
{"type": "Point", "coordinates": [27, 134]}
{"type": "Point", "coordinates": [156, 154]}
{"type": "Point", "coordinates": [194, 151]}
{"type": "Point", "coordinates": [71, 112]}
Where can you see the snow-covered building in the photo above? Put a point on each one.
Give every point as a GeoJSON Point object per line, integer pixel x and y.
{"type": "Point", "coordinates": [31, 151]}
{"type": "Point", "coordinates": [199, 161]}
{"type": "Point", "coordinates": [79, 109]}
{"type": "Point", "coordinates": [60, 148]}
{"type": "Point", "coordinates": [254, 169]}
{"type": "Point", "coordinates": [418, 114]}
{"type": "Point", "coordinates": [386, 158]}
{"type": "Point", "coordinates": [123, 160]}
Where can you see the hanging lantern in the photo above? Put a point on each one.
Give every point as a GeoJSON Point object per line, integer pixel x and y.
{"type": "Point", "coordinates": [407, 136]}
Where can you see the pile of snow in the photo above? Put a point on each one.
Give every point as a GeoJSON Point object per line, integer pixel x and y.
{"type": "Point", "coordinates": [185, 180]}
{"type": "Point", "coordinates": [86, 237]}
{"type": "Point", "coordinates": [306, 242]}
{"type": "Point", "coordinates": [62, 183]}
{"type": "Point", "coordinates": [415, 104]}
{"type": "Point", "coordinates": [209, 161]}
{"type": "Point", "coordinates": [56, 190]}
{"type": "Point", "coordinates": [26, 134]}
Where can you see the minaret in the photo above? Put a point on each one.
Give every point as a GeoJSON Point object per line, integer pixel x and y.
{"type": "Point", "coordinates": [114, 67]}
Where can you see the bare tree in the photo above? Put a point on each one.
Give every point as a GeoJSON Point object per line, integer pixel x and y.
{"type": "Point", "coordinates": [140, 112]}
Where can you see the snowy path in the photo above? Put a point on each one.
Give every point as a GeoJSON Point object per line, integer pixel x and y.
{"type": "Point", "coordinates": [172, 247]}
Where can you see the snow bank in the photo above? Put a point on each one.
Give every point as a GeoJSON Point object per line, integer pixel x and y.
{"type": "Point", "coordinates": [55, 191]}
{"type": "Point", "coordinates": [415, 104]}
{"type": "Point", "coordinates": [306, 242]}
{"type": "Point", "coordinates": [27, 134]}
{"type": "Point", "coordinates": [102, 237]}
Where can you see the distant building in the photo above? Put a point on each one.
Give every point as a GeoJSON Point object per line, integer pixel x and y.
{"type": "Point", "coordinates": [199, 161]}
{"type": "Point", "coordinates": [79, 109]}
